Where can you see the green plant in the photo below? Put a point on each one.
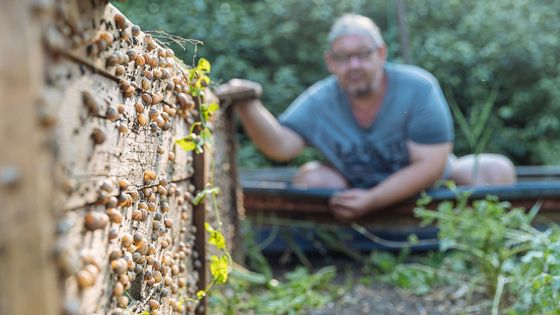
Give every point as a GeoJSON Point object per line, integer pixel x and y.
{"type": "Point", "coordinates": [519, 265]}
{"type": "Point", "coordinates": [251, 293]}
{"type": "Point", "coordinates": [470, 46]}
{"type": "Point", "coordinates": [198, 139]}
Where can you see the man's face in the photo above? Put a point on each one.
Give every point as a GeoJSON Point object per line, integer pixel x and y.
{"type": "Point", "coordinates": [357, 64]}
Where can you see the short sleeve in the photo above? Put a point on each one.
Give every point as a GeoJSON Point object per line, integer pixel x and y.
{"type": "Point", "coordinates": [430, 121]}
{"type": "Point", "coordinates": [299, 116]}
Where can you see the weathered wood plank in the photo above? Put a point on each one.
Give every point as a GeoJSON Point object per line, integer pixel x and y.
{"type": "Point", "coordinates": [28, 283]}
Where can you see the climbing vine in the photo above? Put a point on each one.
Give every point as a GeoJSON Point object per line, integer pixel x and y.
{"type": "Point", "coordinates": [199, 138]}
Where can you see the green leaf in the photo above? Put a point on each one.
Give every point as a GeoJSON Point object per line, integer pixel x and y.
{"type": "Point", "coordinates": [206, 134]}
{"type": "Point", "coordinates": [216, 237]}
{"type": "Point", "coordinates": [219, 268]}
{"type": "Point", "coordinates": [186, 144]}
{"type": "Point", "coordinates": [206, 191]}
{"type": "Point", "coordinates": [199, 197]}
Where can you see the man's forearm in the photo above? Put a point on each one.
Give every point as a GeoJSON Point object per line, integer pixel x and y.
{"type": "Point", "coordinates": [404, 184]}
{"type": "Point", "coordinates": [273, 139]}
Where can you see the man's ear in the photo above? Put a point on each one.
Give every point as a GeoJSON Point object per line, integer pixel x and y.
{"type": "Point", "coordinates": [383, 52]}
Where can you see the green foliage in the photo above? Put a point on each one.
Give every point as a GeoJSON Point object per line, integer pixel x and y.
{"type": "Point", "coordinates": [250, 293]}
{"type": "Point", "coordinates": [475, 46]}
{"type": "Point", "coordinates": [471, 47]}
{"type": "Point", "coordinates": [518, 265]}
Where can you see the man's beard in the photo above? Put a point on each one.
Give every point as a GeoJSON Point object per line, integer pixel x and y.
{"type": "Point", "coordinates": [361, 92]}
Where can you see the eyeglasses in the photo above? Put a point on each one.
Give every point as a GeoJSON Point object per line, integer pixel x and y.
{"type": "Point", "coordinates": [362, 56]}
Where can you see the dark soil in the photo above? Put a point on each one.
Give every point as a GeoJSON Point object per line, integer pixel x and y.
{"type": "Point", "coordinates": [380, 298]}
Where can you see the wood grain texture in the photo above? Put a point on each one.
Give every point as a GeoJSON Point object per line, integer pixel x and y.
{"type": "Point", "coordinates": [27, 272]}
{"type": "Point", "coordinates": [76, 156]}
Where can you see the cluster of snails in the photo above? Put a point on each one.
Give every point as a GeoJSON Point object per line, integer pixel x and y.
{"type": "Point", "coordinates": [148, 225]}
{"type": "Point", "coordinates": [158, 259]}
{"type": "Point", "coordinates": [143, 69]}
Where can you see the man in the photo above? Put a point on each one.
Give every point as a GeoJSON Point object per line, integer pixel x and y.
{"type": "Point", "coordinates": [385, 129]}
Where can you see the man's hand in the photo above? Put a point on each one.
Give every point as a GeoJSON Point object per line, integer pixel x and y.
{"type": "Point", "coordinates": [350, 204]}
{"type": "Point", "coordinates": [238, 90]}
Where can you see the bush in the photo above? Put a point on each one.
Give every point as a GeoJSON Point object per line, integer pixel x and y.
{"type": "Point", "coordinates": [472, 47]}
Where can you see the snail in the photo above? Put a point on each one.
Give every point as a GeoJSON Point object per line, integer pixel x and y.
{"type": "Point", "coordinates": [85, 278]}
{"type": "Point", "coordinates": [112, 113]}
{"type": "Point", "coordinates": [146, 84]}
{"type": "Point", "coordinates": [135, 30]}
{"type": "Point", "coordinates": [114, 215]}
{"type": "Point", "coordinates": [106, 37]}
{"type": "Point", "coordinates": [158, 74]}
{"type": "Point", "coordinates": [139, 60]}
{"type": "Point", "coordinates": [142, 119]}
{"type": "Point", "coordinates": [153, 304]}
{"type": "Point", "coordinates": [121, 108]}
{"type": "Point", "coordinates": [120, 70]}
{"type": "Point", "coordinates": [137, 215]}
{"type": "Point", "coordinates": [147, 98]}
{"type": "Point", "coordinates": [126, 240]}
{"type": "Point", "coordinates": [148, 74]}
{"type": "Point", "coordinates": [160, 122]}
{"type": "Point", "coordinates": [139, 107]}
{"type": "Point", "coordinates": [153, 113]}
{"type": "Point", "coordinates": [123, 183]}
{"type": "Point", "coordinates": [90, 103]}
{"type": "Point", "coordinates": [118, 289]}
{"type": "Point", "coordinates": [126, 89]}
{"type": "Point", "coordinates": [185, 102]}
{"type": "Point", "coordinates": [122, 127]}
{"type": "Point", "coordinates": [149, 175]}
{"type": "Point", "coordinates": [157, 98]}
{"type": "Point", "coordinates": [95, 220]}
{"type": "Point", "coordinates": [122, 301]}
{"type": "Point", "coordinates": [120, 21]}
{"type": "Point", "coordinates": [154, 127]}
{"type": "Point", "coordinates": [113, 233]}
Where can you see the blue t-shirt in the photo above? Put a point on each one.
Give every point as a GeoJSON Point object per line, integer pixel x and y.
{"type": "Point", "coordinates": [413, 108]}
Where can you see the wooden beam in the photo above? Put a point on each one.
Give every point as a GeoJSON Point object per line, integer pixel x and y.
{"type": "Point", "coordinates": [28, 277]}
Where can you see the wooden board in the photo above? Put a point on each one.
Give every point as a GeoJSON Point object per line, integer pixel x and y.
{"type": "Point", "coordinates": [78, 82]}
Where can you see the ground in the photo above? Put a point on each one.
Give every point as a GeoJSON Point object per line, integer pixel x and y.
{"type": "Point", "coordinates": [380, 299]}
{"type": "Point", "coordinates": [368, 295]}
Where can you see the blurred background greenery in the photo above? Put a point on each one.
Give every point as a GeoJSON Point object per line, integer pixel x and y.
{"type": "Point", "coordinates": [474, 48]}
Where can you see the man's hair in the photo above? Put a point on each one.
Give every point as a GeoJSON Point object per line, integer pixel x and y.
{"type": "Point", "coordinates": [354, 24]}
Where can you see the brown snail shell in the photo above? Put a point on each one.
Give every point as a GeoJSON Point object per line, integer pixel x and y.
{"type": "Point", "coordinates": [90, 103]}
{"type": "Point", "coordinates": [146, 84]}
{"type": "Point", "coordinates": [142, 119]}
{"type": "Point", "coordinates": [185, 102]}
{"type": "Point", "coordinates": [149, 175]}
{"type": "Point", "coordinates": [147, 98]}
{"type": "Point", "coordinates": [95, 220]}
{"type": "Point", "coordinates": [120, 70]}
{"type": "Point", "coordinates": [139, 107]}
{"type": "Point", "coordinates": [98, 136]}
{"type": "Point", "coordinates": [120, 21]}
{"type": "Point", "coordinates": [157, 98]}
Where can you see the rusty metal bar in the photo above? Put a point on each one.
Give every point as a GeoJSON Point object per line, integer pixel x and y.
{"type": "Point", "coordinates": [279, 198]}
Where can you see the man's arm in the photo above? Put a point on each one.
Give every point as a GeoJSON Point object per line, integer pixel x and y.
{"type": "Point", "coordinates": [427, 164]}
{"type": "Point", "coordinates": [274, 140]}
